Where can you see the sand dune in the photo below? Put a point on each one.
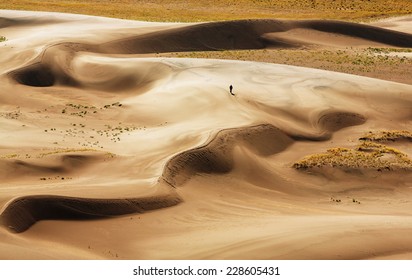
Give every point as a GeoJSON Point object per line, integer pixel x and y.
{"type": "Point", "coordinates": [142, 157]}
{"type": "Point", "coordinates": [61, 165]}
{"type": "Point", "coordinates": [216, 157]}
{"type": "Point", "coordinates": [23, 212]}
{"type": "Point", "coordinates": [251, 34]}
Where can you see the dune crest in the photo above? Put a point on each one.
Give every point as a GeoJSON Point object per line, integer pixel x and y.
{"type": "Point", "coordinates": [249, 34]}
{"type": "Point", "coordinates": [23, 212]}
{"type": "Point", "coordinates": [216, 157]}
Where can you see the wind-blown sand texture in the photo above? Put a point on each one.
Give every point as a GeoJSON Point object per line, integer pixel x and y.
{"type": "Point", "coordinates": [109, 152]}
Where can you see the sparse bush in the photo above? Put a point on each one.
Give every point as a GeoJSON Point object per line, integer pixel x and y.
{"type": "Point", "coordinates": [367, 155]}
{"type": "Point", "coordinates": [386, 136]}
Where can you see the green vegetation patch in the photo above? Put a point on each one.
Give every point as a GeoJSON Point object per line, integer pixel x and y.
{"type": "Point", "coordinates": [2, 38]}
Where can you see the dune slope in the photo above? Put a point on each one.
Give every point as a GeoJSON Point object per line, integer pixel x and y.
{"type": "Point", "coordinates": [250, 34]}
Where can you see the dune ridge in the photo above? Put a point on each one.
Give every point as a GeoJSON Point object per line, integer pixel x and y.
{"type": "Point", "coordinates": [8, 22]}
{"type": "Point", "coordinates": [247, 34]}
{"type": "Point", "coordinates": [362, 31]}
{"type": "Point", "coordinates": [216, 156]}
{"type": "Point", "coordinates": [67, 163]}
{"type": "Point", "coordinates": [230, 35]}
{"type": "Point", "coordinates": [21, 213]}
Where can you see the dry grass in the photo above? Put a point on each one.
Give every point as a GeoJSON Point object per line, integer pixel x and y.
{"type": "Point", "coordinates": [369, 62]}
{"type": "Point", "coordinates": [367, 155]}
{"type": "Point", "coordinates": [211, 10]}
{"type": "Point", "coordinates": [372, 157]}
{"type": "Point", "coordinates": [9, 156]}
{"type": "Point", "coordinates": [386, 136]}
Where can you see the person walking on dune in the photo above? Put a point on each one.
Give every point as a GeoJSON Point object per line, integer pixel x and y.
{"type": "Point", "coordinates": [231, 90]}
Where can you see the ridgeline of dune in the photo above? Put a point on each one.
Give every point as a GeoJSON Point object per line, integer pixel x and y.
{"type": "Point", "coordinates": [216, 157]}
{"type": "Point", "coordinates": [21, 213]}
{"type": "Point", "coordinates": [53, 66]}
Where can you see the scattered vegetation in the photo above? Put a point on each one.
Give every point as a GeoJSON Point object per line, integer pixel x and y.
{"type": "Point", "coordinates": [55, 178]}
{"type": "Point", "coordinates": [2, 39]}
{"type": "Point", "coordinates": [210, 10]}
{"type": "Point", "coordinates": [82, 110]}
{"type": "Point", "coordinates": [78, 109]}
{"type": "Point", "coordinates": [386, 136]}
{"type": "Point", "coordinates": [9, 156]}
{"type": "Point", "coordinates": [367, 155]}
{"type": "Point", "coordinates": [13, 115]}
{"type": "Point", "coordinates": [94, 137]}
{"type": "Point", "coordinates": [335, 200]}
{"type": "Point", "coordinates": [388, 50]}
{"type": "Point", "coordinates": [90, 137]}
{"type": "Point", "coordinates": [353, 200]}
{"type": "Point", "coordinates": [70, 130]}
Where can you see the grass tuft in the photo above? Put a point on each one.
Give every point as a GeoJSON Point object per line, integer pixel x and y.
{"type": "Point", "coordinates": [386, 136]}
{"type": "Point", "coordinates": [367, 155]}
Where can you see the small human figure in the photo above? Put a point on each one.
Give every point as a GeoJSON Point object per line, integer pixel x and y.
{"type": "Point", "coordinates": [231, 90]}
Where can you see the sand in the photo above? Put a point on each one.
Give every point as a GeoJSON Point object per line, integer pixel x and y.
{"type": "Point", "coordinates": [108, 152]}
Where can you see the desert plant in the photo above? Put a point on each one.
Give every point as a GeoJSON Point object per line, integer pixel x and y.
{"type": "Point", "coordinates": [367, 155]}
{"type": "Point", "coordinates": [387, 135]}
